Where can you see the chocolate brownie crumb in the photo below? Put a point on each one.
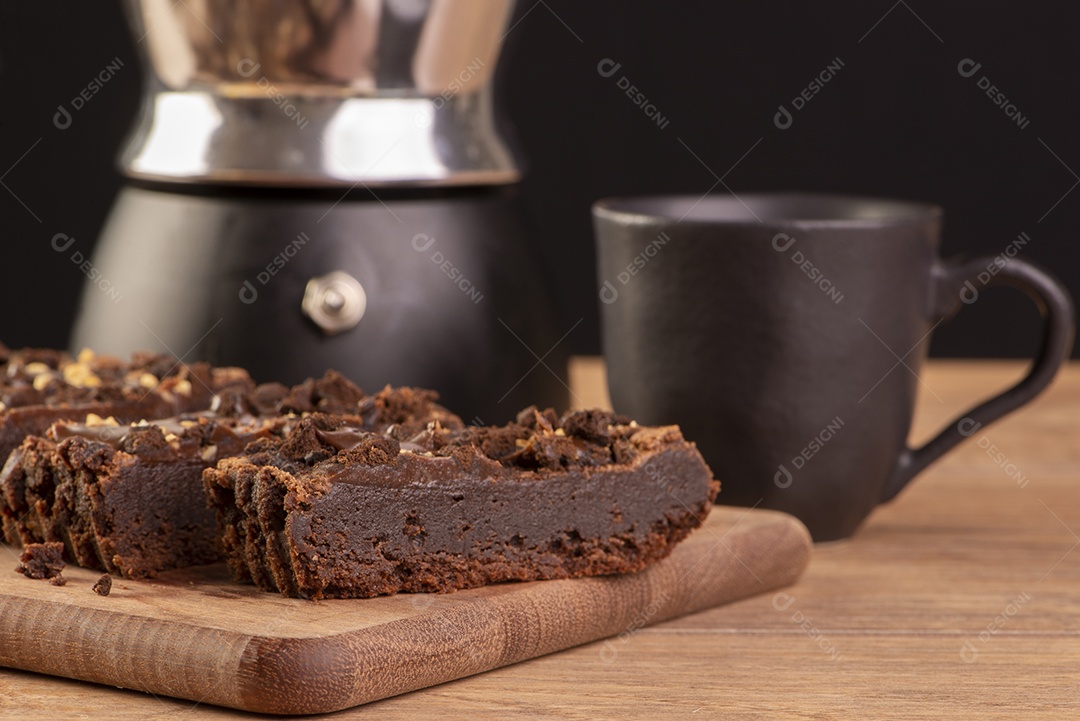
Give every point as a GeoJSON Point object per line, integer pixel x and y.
{"type": "Point", "coordinates": [431, 439]}
{"type": "Point", "coordinates": [497, 443]}
{"type": "Point", "coordinates": [372, 450]}
{"type": "Point", "coordinates": [304, 443]}
{"type": "Point", "coordinates": [333, 393]}
{"type": "Point", "coordinates": [103, 586]}
{"type": "Point", "coordinates": [534, 419]}
{"type": "Point", "coordinates": [405, 411]}
{"type": "Point", "coordinates": [591, 425]}
{"type": "Point", "coordinates": [299, 398]}
{"type": "Point", "coordinates": [41, 560]}
{"type": "Point", "coordinates": [58, 580]}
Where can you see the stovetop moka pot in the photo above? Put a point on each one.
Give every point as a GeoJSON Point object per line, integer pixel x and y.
{"type": "Point", "coordinates": [320, 184]}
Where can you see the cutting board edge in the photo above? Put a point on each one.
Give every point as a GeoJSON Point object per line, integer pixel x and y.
{"type": "Point", "coordinates": [272, 674]}
{"type": "Point", "coordinates": [85, 654]}
{"type": "Point", "coordinates": [278, 698]}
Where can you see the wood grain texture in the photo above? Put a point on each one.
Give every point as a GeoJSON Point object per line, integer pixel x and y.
{"type": "Point", "coordinates": [195, 635]}
{"type": "Point", "coordinates": [931, 571]}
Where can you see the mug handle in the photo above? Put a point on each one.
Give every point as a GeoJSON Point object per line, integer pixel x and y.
{"type": "Point", "coordinates": [957, 282]}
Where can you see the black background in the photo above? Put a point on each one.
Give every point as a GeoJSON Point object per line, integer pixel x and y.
{"type": "Point", "coordinates": [897, 120]}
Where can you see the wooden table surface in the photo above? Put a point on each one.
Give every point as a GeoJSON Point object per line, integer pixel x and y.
{"type": "Point", "coordinates": [961, 599]}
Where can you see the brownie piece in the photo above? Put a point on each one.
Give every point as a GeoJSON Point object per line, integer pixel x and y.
{"type": "Point", "coordinates": [40, 387]}
{"type": "Point", "coordinates": [123, 498]}
{"type": "Point", "coordinates": [42, 560]}
{"type": "Point", "coordinates": [331, 511]}
{"type": "Point", "coordinates": [129, 499]}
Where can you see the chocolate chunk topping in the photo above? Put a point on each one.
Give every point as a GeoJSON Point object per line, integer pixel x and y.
{"type": "Point", "coordinates": [303, 440]}
{"type": "Point", "coordinates": [591, 425]}
{"type": "Point", "coordinates": [333, 393]}
{"type": "Point", "coordinates": [267, 398]}
{"type": "Point", "coordinates": [372, 450]}
{"type": "Point", "coordinates": [538, 440]}
{"type": "Point", "coordinates": [497, 443]}
{"type": "Point", "coordinates": [144, 440]}
{"type": "Point", "coordinates": [406, 410]}
{"type": "Point", "coordinates": [343, 439]}
{"type": "Point", "coordinates": [534, 419]}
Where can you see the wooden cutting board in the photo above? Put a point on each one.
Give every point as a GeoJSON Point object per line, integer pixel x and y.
{"type": "Point", "coordinates": [196, 635]}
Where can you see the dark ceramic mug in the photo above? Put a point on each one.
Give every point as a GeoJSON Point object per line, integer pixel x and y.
{"type": "Point", "coordinates": [785, 332]}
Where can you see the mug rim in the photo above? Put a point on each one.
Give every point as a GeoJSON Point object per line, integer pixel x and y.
{"type": "Point", "coordinates": [723, 209]}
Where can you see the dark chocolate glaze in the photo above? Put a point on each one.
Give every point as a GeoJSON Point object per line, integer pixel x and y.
{"type": "Point", "coordinates": [343, 439]}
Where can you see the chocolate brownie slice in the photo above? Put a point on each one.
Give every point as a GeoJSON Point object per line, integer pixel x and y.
{"type": "Point", "coordinates": [331, 511]}
{"type": "Point", "coordinates": [124, 498]}
{"type": "Point", "coordinates": [39, 387]}
{"type": "Point", "coordinates": [129, 499]}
